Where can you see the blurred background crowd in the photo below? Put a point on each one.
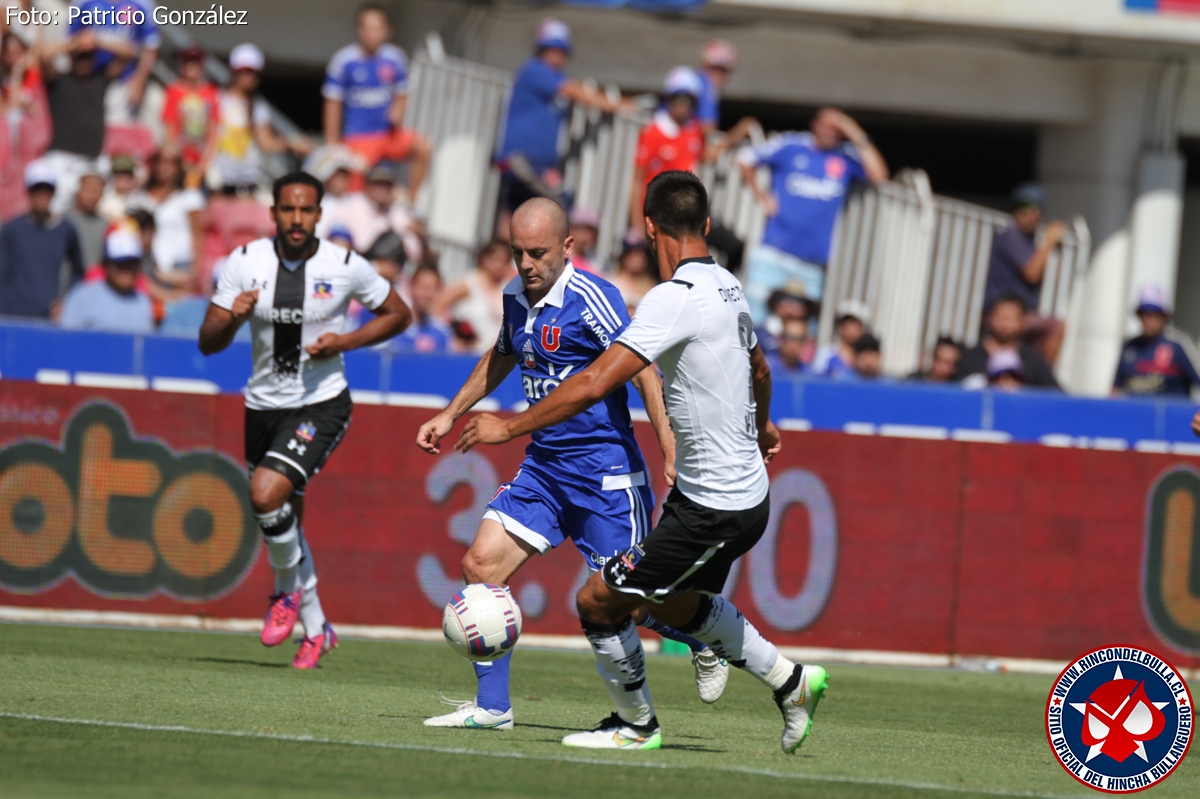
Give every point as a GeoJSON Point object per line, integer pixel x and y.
{"type": "Point", "coordinates": [126, 177]}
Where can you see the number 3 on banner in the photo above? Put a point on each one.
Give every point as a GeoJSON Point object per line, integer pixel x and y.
{"type": "Point", "coordinates": [452, 471]}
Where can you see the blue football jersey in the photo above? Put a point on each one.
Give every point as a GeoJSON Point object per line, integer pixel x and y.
{"type": "Point", "coordinates": [560, 336]}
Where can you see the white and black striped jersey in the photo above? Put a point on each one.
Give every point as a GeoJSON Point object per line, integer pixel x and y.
{"type": "Point", "coordinates": [294, 309]}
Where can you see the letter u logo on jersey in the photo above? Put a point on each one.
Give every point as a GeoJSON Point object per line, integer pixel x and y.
{"type": "Point", "coordinates": [550, 337]}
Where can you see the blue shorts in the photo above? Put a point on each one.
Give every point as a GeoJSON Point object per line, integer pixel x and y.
{"type": "Point", "coordinates": [544, 507]}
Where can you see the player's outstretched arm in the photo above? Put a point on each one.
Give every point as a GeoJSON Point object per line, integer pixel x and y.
{"type": "Point", "coordinates": [616, 367]}
{"type": "Point", "coordinates": [487, 375]}
{"type": "Point", "coordinates": [650, 386]}
{"type": "Point", "coordinates": [221, 324]}
{"type": "Point", "coordinates": [769, 441]}
{"type": "Point", "coordinates": [390, 320]}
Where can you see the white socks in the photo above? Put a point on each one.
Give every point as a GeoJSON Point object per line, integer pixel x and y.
{"type": "Point", "coordinates": [722, 626]}
{"type": "Point", "coordinates": [621, 664]}
{"type": "Point", "coordinates": [281, 533]}
{"type": "Point", "coordinates": [311, 615]}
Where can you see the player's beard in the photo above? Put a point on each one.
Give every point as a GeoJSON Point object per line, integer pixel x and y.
{"type": "Point", "coordinates": [291, 253]}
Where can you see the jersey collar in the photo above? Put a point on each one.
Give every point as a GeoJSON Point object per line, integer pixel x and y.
{"type": "Point", "coordinates": [663, 121]}
{"type": "Point", "coordinates": [554, 297]}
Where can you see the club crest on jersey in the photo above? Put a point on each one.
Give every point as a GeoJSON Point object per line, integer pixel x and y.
{"type": "Point", "coordinates": [835, 167]}
{"type": "Point", "coordinates": [306, 431]}
{"type": "Point", "coordinates": [528, 356]}
{"type": "Point", "coordinates": [550, 338]}
{"type": "Point", "coordinates": [1119, 719]}
{"type": "Point", "coordinates": [322, 290]}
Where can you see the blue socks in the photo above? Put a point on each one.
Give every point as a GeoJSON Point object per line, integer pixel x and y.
{"type": "Point", "coordinates": [493, 684]}
{"type": "Point", "coordinates": [667, 631]}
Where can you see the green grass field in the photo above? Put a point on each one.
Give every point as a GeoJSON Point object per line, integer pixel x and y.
{"type": "Point", "coordinates": [138, 714]}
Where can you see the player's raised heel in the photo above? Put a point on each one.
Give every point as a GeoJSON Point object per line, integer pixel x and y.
{"type": "Point", "coordinates": [712, 672]}
{"type": "Point", "coordinates": [615, 733]}
{"type": "Point", "coordinates": [471, 716]}
{"type": "Point", "coordinates": [281, 617]}
{"type": "Point", "coordinates": [797, 700]}
{"type": "Point", "coordinates": [313, 649]}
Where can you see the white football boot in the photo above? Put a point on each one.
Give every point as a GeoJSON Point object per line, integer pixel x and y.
{"type": "Point", "coordinates": [712, 672]}
{"type": "Point", "coordinates": [471, 716]}
{"type": "Point", "coordinates": [615, 733]}
{"type": "Point", "coordinates": [797, 700]}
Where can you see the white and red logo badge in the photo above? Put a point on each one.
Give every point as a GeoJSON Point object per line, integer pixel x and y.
{"type": "Point", "coordinates": [1119, 719]}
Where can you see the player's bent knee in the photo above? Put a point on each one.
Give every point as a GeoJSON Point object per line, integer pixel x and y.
{"type": "Point", "coordinates": [269, 490]}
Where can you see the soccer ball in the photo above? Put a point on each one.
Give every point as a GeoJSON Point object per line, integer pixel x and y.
{"type": "Point", "coordinates": [482, 622]}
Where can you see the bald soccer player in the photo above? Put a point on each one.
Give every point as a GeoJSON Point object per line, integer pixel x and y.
{"type": "Point", "coordinates": [582, 479]}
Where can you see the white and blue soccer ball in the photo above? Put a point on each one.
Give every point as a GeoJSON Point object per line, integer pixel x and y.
{"type": "Point", "coordinates": [482, 622]}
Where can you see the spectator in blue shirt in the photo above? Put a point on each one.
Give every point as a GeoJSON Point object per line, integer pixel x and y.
{"type": "Point", "coordinates": [1160, 361]}
{"type": "Point", "coordinates": [427, 334]}
{"type": "Point", "coordinates": [811, 173]}
{"type": "Point", "coordinates": [40, 254]}
{"type": "Point", "coordinates": [129, 30]}
{"type": "Point", "coordinates": [366, 91]}
{"type": "Point", "coordinates": [788, 358]}
{"type": "Point", "coordinates": [541, 96]}
{"type": "Point", "coordinates": [1018, 264]}
{"type": "Point", "coordinates": [113, 304]}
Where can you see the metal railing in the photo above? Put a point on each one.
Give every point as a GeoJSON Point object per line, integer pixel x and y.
{"type": "Point", "coordinates": [919, 263]}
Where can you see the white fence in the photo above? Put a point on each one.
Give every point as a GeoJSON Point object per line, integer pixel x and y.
{"type": "Point", "coordinates": [917, 260]}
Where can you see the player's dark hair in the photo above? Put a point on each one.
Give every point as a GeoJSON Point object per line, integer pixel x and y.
{"type": "Point", "coordinates": [1015, 299]}
{"type": "Point", "coordinates": [375, 7]}
{"type": "Point", "coordinates": [292, 178]}
{"type": "Point", "coordinates": [677, 204]}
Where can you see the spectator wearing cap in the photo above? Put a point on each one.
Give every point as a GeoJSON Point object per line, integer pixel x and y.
{"type": "Point", "coordinates": [40, 255]}
{"type": "Point", "coordinates": [370, 214]}
{"type": "Point", "coordinates": [785, 304]}
{"type": "Point", "coordinates": [114, 205]}
{"type": "Point", "coordinates": [24, 119]}
{"type": "Point", "coordinates": [811, 174]}
{"type": "Point", "coordinates": [427, 334]}
{"type": "Point", "coordinates": [1159, 362]}
{"type": "Point", "coordinates": [127, 39]}
{"type": "Point", "coordinates": [1005, 331]}
{"type": "Point", "coordinates": [366, 91]}
{"type": "Point", "coordinates": [332, 164]}
{"type": "Point", "coordinates": [634, 276]}
{"type": "Point", "coordinates": [541, 96]}
{"type": "Point", "coordinates": [340, 235]}
{"type": "Point", "coordinates": [114, 304]}
{"type": "Point", "coordinates": [85, 217]}
{"type": "Point", "coordinates": [476, 303]}
{"type": "Point", "coordinates": [244, 130]}
{"type": "Point", "coordinates": [943, 362]}
{"type": "Point", "coordinates": [868, 358]}
{"type": "Point", "coordinates": [76, 99]}
{"type": "Point", "coordinates": [791, 345]}
{"type": "Point", "coordinates": [1018, 264]}
{"type": "Point", "coordinates": [717, 62]}
{"type": "Point", "coordinates": [837, 359]}
{"type": "Point", "coordinates": [585, 229]}
{"type": "Point", "coordinates": [190, 113]}
{"type": "Point", "coordinates": [177, 219]}
{"type": "Point", "coordinates": [1005, 370]}
{"type": "Point", "coordinates": [673, 140]}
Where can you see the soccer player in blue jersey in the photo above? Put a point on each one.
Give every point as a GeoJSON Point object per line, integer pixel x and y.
{"type": "Point", "coordinates": [582, 479]}
{"type": "Point", "coordinates": [365, 90]}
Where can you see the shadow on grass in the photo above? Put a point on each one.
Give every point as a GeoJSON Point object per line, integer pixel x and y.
{"type": "Point", "coordinates": [240, 662]}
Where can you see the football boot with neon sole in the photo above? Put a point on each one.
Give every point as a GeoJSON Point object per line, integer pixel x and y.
{"type": "Point", "coordinates": [797, 701]}
{"type": "Point", "coordinates": [712, 672]}
{"type": "Point", "coordinates": [281, 617]}
{"type": "Point", "coordinates": [471, 716]}
{"type": "Point", "coordinates": [616, 733]}
{"type": "Point", "coordinates": [313, 649]}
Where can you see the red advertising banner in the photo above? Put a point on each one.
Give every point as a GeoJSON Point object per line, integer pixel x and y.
{"type": "Point", "coordinates": [136, 501]}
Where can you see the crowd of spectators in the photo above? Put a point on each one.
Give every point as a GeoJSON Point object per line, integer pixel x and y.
{"type": "Point", "coordinates": [115, 201]}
